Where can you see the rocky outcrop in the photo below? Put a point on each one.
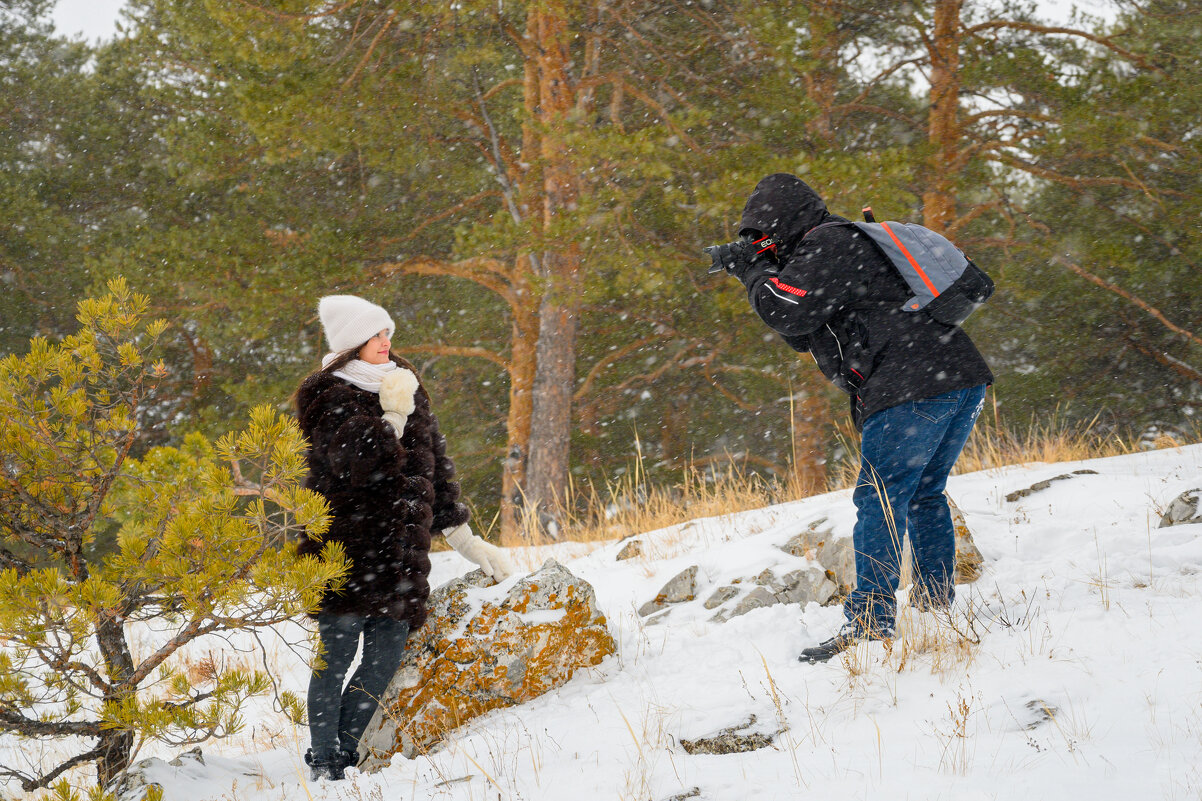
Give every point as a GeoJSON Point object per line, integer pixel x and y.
{"type": "Point", "coordinates": [484, 649]}
{"type": "Point", "coordinates": [827, 575]}
{"type": "Point", "coordinates": [1185, 508]}
{"type": "Point", "coordinates": [733, 740]}
{"type": "Point", "coordinates": [631, 550]}
{"type": "Point", "coordinates": [768, 589]}
{"type": "Point", "coordinates": [819, 543]}
{"type": "Point", "coordinates": [1042, 485]}
{"type": "Point", "coordinates": [680, 589]}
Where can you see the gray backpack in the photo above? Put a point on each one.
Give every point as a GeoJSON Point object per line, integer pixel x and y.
{"type": "Point", "coordinates": [946, 284]}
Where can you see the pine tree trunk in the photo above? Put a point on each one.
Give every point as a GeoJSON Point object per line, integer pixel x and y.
{"type": "Point", "coordinates": [551, 424]}
{"type": "Point", "coordinates": [547, 466]}
{"type": "Point", "coordinates": [809, 441]}
{"type": "Point", "coordinates": [822, 81]}
{"type": "Point", "coordinates": [116, 744]}
{"type": "Point", "coordinates": [522, 371]}
{"type": "Point", "coordinates": [939, 199]}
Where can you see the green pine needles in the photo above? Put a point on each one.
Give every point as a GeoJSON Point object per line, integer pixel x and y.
{"type": "Point", "coordinates": [112, 566]}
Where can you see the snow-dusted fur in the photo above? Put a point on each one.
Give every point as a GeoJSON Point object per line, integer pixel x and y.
{"type": "Point", "coordinates": [386, 495]}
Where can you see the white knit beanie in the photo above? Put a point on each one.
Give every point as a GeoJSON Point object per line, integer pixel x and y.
{"type": "Point", "coordinates": [350, 321]}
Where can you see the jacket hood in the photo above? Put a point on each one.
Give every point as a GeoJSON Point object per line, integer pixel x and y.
{"type": "Point", "coordinates": [784, 205]}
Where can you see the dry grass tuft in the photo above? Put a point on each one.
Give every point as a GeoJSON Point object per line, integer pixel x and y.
{"type": "Point", "coordinates": [631, 504]}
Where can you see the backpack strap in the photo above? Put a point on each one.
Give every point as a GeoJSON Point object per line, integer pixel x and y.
{"type": "Point", "coordinates": [826, 225]}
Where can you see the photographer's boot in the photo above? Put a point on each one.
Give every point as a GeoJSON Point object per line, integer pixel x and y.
{"type": "Point", "coordinates": [848, 637]}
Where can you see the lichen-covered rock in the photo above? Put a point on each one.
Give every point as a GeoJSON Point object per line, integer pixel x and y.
{"type": "Point", "coordinates": [1185, 508]}
{"type": "Point", "coordinates": [968, 555]}
{"type": "Point", "coordinates": [680, 589]}
{"type": "Point", "coordinates": [484, 649]}
{"type": "Point", "coordinates": [631, 550]}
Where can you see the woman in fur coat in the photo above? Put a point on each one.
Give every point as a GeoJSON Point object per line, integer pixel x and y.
{"type": "Point", "coordinates": [377, 456]}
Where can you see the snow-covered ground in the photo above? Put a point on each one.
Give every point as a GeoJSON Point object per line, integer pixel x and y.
{"type": "Point", "coordinates": [1086, 681]}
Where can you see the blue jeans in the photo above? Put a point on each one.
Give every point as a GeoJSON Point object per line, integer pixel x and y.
{"type": "Point", "coordinates": [337, 718]}
{"type": "Point", "coordinates": [908, 451]}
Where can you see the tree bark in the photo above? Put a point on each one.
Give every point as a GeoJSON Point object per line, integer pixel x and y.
{"type": "Point", "coordinates": [809, 442]}
{"type": "Point", "coordinates": [115, 745]}
{"type": "Point", "coordinates": [821, 80]}
{"type": "Point", "coordinates": [522, 372]}
{"type": "Point", "coordinates": [547, 467]}
{"type": "Point", "coordinates": [939, 198]}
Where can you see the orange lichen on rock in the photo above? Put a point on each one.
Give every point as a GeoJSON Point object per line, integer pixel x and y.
{"type": "Point", "coordinates": [482, 649]}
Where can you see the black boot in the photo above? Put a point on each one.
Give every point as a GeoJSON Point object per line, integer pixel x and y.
{"type": "Point", "coordinates": [847, 637]}
{"type": "Point", "coordinates": [348, 758]}
{"type": "Point", "coordinates": [326, 767]}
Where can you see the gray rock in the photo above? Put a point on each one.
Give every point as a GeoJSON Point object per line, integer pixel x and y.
{"type": "Point", "coordinates": [805, 585]}
{"type": "Point", "coordinates": [721, 596]}
{"type": "Point", "coordinates": [768, 589]}
{"type": "Point", "coordinates": [758, 598]}
{"type": "Point", "coordinates": [1042, 485]}
{"type": "Point", "coordinates": [692, 792]}
{"type": "Point", "coordinates": [836, 554]}
{"type": "Point", "coordinates": [630, 550]}
{"type": "Point", "coordinates": [682, 588]}
{"type": "Point", "coordinates": [729, 741]}
{"type": "Point", "coordinates": [1185, 508]}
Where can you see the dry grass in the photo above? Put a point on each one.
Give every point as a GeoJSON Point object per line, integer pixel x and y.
{"type": "Point", "coordinates": [995, 442]}
{"type": "Point", "coordinates": [631, 504]}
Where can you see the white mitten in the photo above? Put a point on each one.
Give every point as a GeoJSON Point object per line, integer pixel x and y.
{"type": "Point", "coordinates": [398, 392]}
{"type": "Point", "coordinates": [491, 559]}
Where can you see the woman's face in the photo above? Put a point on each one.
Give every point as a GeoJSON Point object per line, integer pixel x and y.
{"type": "Point", "coordinates": [376, 349]}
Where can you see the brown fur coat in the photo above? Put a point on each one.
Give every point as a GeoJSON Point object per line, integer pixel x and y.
{"type": "Point", "coordinates": [386, 496]}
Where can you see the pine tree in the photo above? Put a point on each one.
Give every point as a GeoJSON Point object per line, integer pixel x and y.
{"type": "Point", "coordinates": [203, 543]}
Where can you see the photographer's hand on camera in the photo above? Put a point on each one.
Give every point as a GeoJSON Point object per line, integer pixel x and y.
{"type": "Point", "coordinates": [751, 252]}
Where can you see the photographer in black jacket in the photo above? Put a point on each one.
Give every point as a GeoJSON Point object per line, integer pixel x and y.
{"type": "Point", "coordinates": [916, 387]}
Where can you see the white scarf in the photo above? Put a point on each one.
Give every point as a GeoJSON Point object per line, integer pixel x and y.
{"type": "Point", "coordinates": [364, 375]}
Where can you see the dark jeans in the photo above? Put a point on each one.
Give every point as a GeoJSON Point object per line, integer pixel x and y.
{"type": "Point", "coordinates": [337, 718]}
{"type": "Point", "coordinates": [908, 451]}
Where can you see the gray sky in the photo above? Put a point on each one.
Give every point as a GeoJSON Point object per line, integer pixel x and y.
{"type": "Point", "coordinates": [92, 19]}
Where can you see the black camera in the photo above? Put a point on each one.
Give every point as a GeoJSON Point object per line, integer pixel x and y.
{"type": "Point", "coordinates": [724, 258]}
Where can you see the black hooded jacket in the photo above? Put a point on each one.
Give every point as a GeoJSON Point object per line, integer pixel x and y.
{"type": "Point", "coordinates": [835, 294]}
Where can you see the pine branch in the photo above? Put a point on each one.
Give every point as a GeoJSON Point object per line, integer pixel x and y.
{"type": "Point", "coordinates": [1078, 181]}
{"type": "Point", "coordinates": [1176, 365]}
{"type": "Point", "coordinates": [1129, 296]}
{"type": "Point", "coordinates": [459, 351]}
{"type": "Point", "coordinates": [1031, 27]}
{"type": "Point", "coordinates": [489, 273]}
{"type": "Point", "coordinates": [31, 727]}
{"type": "Point", "coordinates": [29, 784]}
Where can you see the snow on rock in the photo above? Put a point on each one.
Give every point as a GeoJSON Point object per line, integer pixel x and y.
{"type": "Point", "coordinates": [486, 647]}
{"type": "Point", "coordinates": [1185, 508]}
